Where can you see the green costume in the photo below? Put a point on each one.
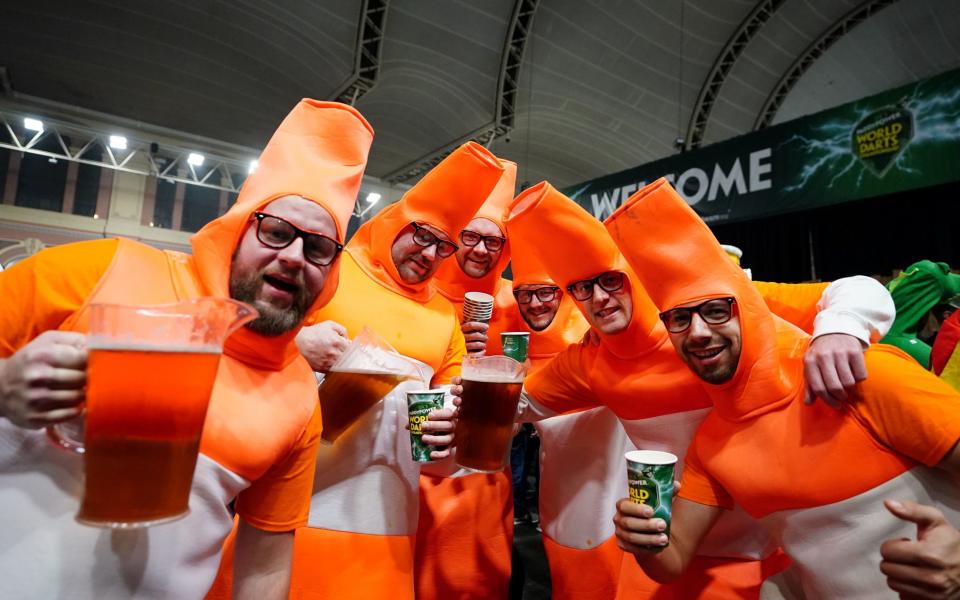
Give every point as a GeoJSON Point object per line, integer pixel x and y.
{"type": "Point", "coordinates": [920, 287]}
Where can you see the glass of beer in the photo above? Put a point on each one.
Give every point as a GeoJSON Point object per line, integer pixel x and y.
{"type": "Point", "coordinates": [345, 395]}
{"type": "Point", "coordinates": [150, 372]}
{"type": "Point", "coordinates": [491, 391]}
{"type": "Point", "coordinates": [366, 372]}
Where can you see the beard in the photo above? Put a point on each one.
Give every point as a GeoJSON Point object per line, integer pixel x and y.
{"type": "Point", "coordinates": [273, 321]}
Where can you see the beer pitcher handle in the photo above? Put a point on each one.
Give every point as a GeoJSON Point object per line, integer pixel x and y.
{"type": "Point", "coordinates": [68, 435]}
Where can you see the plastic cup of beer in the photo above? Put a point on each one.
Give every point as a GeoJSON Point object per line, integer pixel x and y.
{"type": "Point", "coordinates": [150, 375]}
{"type": "Point", "coordinates": [650, 475]}
{"type": "Point", "coordinates": [491, 391]}
{"type": "Point", "coordinates": [419, 405]}
{"type": "Point", "coordinates": [516, 344]}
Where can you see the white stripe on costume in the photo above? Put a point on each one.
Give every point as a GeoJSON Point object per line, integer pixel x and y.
{"type": "Point", "coordinates": [43, 546]}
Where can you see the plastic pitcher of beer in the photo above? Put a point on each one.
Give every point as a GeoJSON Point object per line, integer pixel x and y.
{"type": "Point", "coordinates": [491, 391]}
{"type": "Point", "coordinates": [366, 372]}
{"type": "Point", "coordinates": [150, 371]}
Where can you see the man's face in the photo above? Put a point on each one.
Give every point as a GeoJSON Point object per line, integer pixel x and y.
{"type": "Point", "coordinates": [711, 351]}
{"type": "Point", "coordinates": [280, 283]}
{"type": "Point", "coordinates": [416, 263]}
{"type": "Point", "coordinates": [537, 313]}
{"type": "Point", "coordinates": [609, 312]}
{"type": "Point", "coordinates": [476, 261]}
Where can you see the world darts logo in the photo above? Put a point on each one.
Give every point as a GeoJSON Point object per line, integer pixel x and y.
{"type": "Point", "coordinates": [881, 136]}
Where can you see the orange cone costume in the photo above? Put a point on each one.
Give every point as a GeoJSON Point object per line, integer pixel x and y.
{"type": "Point", "coordinates": [637, 375]}
{"type": "Point", "coordinates": [580, 472]}
{"type": "Point", "coordinates": [359, 542]}
{"type": "Point", "coordinates": [814, 476]}
{"type": "Point", "coordinates": [447, 503]}
{"type": "Point", "coordinates": [453, 283]}
{"type": "Point", "coordinates": [264, 393]}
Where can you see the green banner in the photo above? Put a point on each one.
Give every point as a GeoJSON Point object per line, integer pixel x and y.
{"type": "Point", "coordinates": [902, 139]}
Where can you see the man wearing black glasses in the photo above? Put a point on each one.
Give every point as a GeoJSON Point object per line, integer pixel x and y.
{"type": "Point", "coordinates": [277, 249]}
{"type": "Point", "coordinates": [635, 373]}
{"type": "Point", "coordinates": [885, 466]}
{"type": "Point", "coordinates": [464, 497]}
{"type": "Point", "coordinates": [359, 541]}
{"type": "Point", "coordinates": [480, 261]}
{"type": "Point", "coordinates": [581, 566]}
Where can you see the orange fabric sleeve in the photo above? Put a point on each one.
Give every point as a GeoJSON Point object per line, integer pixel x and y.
{"type": "Point", "coordinates": [453, 357]}
{"type": "Point", "coordinates": [793, 302]}
{"type": "Point", "coordinates": [907, 407]}
{"type": "Point", "coordinates": [280, 499]}
{"type": "Point", "coordinates": [697, 486]}
{"type": "Point", "coordinates": [40, 292]}
{"type": "Point", "coordinates": [562, 384]}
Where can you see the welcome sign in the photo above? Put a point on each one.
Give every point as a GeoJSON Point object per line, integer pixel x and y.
{"type": "Point", "coordinates": [902, 139]}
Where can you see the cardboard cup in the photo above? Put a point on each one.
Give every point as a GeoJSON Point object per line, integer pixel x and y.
{"type": "Point", "coordinates": [516, 344]}
{"type": "Point", "coordinates": [650, 475]}
{"type": "Point", "coordinates": [419, 405]}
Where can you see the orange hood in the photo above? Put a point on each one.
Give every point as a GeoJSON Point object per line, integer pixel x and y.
{"type": "Point", "coordinates": [568, 325]}
{"type": "Point", "coordinates": [451, 281]}
{"type": "Point", "coordinates": [319, 152]}
{"type": "Point", "coordinates": [572, 245]}
{"type": "Point", "coordinates": [679, 260]}
{"type": "Point", "coordinates": [447, 197]}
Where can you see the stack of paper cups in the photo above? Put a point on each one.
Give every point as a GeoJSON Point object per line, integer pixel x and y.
{"type": "Point", "coordinates": [477, 306]}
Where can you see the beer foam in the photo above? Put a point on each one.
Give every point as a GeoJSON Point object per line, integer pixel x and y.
{"type": "Point", "coordinates": [361, 371]}
{"type": "Point", "coordinates": [492, 378]}
{"type": "Point", "coordinates": [102, 344]}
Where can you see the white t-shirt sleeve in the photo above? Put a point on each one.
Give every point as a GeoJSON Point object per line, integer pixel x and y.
{"type": "Point", "coordinates": [859, 306]}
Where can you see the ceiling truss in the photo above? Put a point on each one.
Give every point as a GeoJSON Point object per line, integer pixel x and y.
{"type": "Point", "coordinates": [735, 46]}
{"type": "Point", "coordinates": [366, 65]}
{"type": "Point", "coordinates": [519, 31]}
{"type": "Point", "coordinates": [78, 144]}
{"type": "Point", "coordinates": [811, 54]}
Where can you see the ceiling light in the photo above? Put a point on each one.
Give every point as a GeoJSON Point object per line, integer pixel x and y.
{"type": "Point", "coordinates": [253, 166]}
{"type": "Point", "coordinates": [195, 159]}
{"type": "Point", "coordinates": [118, 142]}
{"type": "Point", "coordinates": [96, 216]}
{"type": "Point", "coordinates": [373, 198]}
{"type": "Point", "coordinates": [52, 160]}
{"type": "Point", "coordinates": [33, 124]}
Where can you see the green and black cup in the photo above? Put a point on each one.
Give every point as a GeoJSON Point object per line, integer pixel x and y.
{"type": "Point", "coordinates": [650, 475]}
{"type": "Point", "coordinates": [516, 344]}
{"type": "Point", "coordinates": [419, 405]}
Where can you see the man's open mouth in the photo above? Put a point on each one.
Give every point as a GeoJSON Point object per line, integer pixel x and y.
{"type": "Point", "coordinates": [603, 314]}
{"type": "Point", "coordinates": [282, 284]}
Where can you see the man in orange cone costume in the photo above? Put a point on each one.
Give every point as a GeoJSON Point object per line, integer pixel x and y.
{"type": "Point", "coordinates": [360, 539]}
{"type": "Point", "coordinates": [261, 431]}
{"type": "Point", "coordinates": [479, 265]}
{"type": "Point", "coordinates": [580, 453]}
{"type": "Point", "coordinates": [635, 373]}
{"type": "Point", "coordinates": [817, 478]}
{"type": "Point", "coordinates": [483, 499]}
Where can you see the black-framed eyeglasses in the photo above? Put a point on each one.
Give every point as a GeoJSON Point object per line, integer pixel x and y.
{"type": "Point", "coordinates": [277, 233]}
{"type": "Point", "coordinates": [493, 243]}
{"type": "Point", "coordinates": [713, 312]}
{"type": "Point", "coordinates": [426, 238]}
{"type": "Point", "coordinates": [609, 281]}
{"type": "Point", "coordinates": [543, 294]}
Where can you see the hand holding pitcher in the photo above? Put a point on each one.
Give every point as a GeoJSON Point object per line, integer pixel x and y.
{"type": "Point", "coordinates": [43, 382]}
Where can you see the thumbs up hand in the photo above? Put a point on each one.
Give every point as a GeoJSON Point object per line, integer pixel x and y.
{"type": "Point", "coordinates": [928, 567]}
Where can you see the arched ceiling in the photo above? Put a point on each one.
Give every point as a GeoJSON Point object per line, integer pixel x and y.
{"type": "Point", "coordinates": [604, 85]}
